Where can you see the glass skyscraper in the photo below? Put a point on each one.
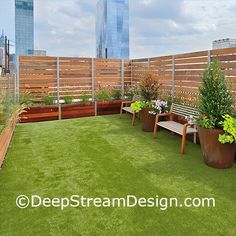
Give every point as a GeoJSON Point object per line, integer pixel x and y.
{"type": "Point", "coordinates": [24, 26]}
{"type": "Point", "coordinates": [112, 29]}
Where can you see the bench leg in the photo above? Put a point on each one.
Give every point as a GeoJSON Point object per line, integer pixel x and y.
{"type": "Point", "coordinates": [183, 143]}
{"type": "Point", "coordinates": [133, 119]}
{"type": "Point", "coordinates": [121, 112]}
{"type": "Point", "coordinates": [195, 138]}
{"type": "Point", "coordinates": [155, 127]}
{"type": "Point", "coordinates": [184, 138]}
{"type": "Point", "coordinates": [155, 131]}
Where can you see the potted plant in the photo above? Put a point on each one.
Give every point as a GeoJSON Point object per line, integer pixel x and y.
{"type": "Point", "coordinates": [215, 108]}
{"type": "Point", "coordinates": [106, 100]}
{"type": "Point", "coordinates": [149, 89]}
{"type": "Point", "coordinates": [159, 106]}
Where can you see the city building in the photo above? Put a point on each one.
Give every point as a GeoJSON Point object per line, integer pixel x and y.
{"type": "Point", "coordinates": [224, 43]}
{"type": "Point", "coordinates": [2, 49]}
{"type": "Point", "coordinates": [112, 29]}
{"type": "Point", "coordinates": [24, 26]}
{"type": "Point", "coordinates": [37, 52]}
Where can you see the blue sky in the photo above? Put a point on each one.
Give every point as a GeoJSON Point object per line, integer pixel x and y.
{"type": "Point", "coordinates": [157, 27]}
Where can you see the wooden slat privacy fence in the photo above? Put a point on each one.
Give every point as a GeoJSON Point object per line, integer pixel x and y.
{"type": "Point", "coordinates": [77, 76]}
{"type": "Point", "coordinates": [179, 75]}
{"type": "Point", "coordinates": [7, 97]}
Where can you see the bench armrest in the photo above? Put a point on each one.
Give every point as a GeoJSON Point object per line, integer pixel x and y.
{"type": "Point", "coordinates": [190, 124]}
{"type": "Point", "coordinates": [161, 115]}
{"type": "Point", "coordinates": [125, 102]}
{"type": "Point", "coordinates": [164, 114]}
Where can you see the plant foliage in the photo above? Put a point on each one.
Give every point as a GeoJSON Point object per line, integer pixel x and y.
{"type": "Point", "coordinates": [48, 99]}
{"type": "Point", "coordinates": [139, 105]}
{"type": "Point", "coordinates": [215, 99]}
{"type": "Point", "coordinates": [229, 126]}
{"type": "Point", "coordinates": [116, 94]}
{"type": "Point", "coordinates": [84, 98]}
{"type": "Point", "coordinates": [26, 99]}
{"type": "Point", "coordinates": [103, 94]}
{"type": "Point", "coordinates": [149, 86]}
{"type": "Point", "coordinates": [68, 99]}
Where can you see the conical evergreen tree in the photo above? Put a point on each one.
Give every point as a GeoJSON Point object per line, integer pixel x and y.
{"type": "Point", "coordinates": [215, 98]}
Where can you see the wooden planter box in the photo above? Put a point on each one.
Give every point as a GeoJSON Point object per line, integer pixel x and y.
{"type": "Point", "coordinates": [40, 113]}
{"type": "Point", "coordinates": [108, 107]}
{"type": "Point", "coordinates": [6, 136]}
{"type": "Point", "coordinates": [77, 110]}
{"type": "Point", "coordinates": [68, 111]}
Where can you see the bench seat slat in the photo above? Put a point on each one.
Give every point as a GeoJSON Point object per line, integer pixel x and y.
{"type": "Point", "coordinates": [176, 127]}
{"type": "Point", "coordinates": [127, 109]}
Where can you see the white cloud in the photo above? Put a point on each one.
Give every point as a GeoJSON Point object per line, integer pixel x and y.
{"type": "Point", "coordinates": [157, 27]}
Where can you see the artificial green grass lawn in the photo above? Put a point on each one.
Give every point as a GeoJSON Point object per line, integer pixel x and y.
{"type": "Point", "coordinates": [106, 157]}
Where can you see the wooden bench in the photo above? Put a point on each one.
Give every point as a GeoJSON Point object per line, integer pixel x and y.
{"type": "Point", "coordinates": [127, 109]}
{"type": "Point", "coordinates": [175, 127]}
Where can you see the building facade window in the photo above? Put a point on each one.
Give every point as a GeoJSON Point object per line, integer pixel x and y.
{"type": "Point", "coordinates": [24, 26]}
{"type": "Point", "coordinates": [112, 29]}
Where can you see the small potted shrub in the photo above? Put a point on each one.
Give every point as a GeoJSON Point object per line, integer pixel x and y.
{"type": "Point", "coordinates": [68, 99]}
{"type": "Point", "coordinates": [132, 91]}
{"type": "Point", "coordinates": [84, 98]}
{"type": "Point", "coordinates": [216, 127]}
{"type": "Point", "coordinates": [105, 101]}
{"type": "Point", "coordinates": [116, 95]}
{"type": "Point", "coordinates": [149, 89]}
{"type": "Point", "coordinates": [49, 99]}
{"type": "Point", "coordinates": [103, 94]}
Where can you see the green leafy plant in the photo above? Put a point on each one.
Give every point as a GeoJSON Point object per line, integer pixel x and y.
{"type": "Point", "coordinates": [207, 122]}
{"type": "Point", "coordinates": [26, 98]}
{"type": "Point", "coordinates": [68, 99]}
{"type": "Point", "coordinates": [149, 86]}
{"type": "Point", "coordinates": [229, 126]}
{"type": "Point", "coordinates": [139, 105]}
{"type": "Point", "coordinates": [84, 97]}
{"type": "Point", "coordinates": [103, 94]}
{"type": "Point", "coordinates": [116, 94]}
{"type": "Point", "coordinates": [132, 91]}
{"type": "Point", "coordinates": [48, 100]}
{"type": "Point", "coordinates": [215, 98]}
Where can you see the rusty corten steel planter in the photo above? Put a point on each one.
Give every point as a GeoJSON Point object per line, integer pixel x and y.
{"type": "Point", "coordinates": [147, 120]}
{"type": "Point", "coordinates": [215, 154]}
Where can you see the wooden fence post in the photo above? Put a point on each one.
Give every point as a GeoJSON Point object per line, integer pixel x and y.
{"type": "Point", "coordinates": [93, 87]}
{"type": "Point", "coordinates": [58, 88]}
{"type": "Point", "coordinates": [122, 79]}
{"type": "Point", "coordinates": [15, 89]}
{"type": "Point", "coordinates": [7, 98]}
{"type": "Point", "coordinates": [17, 79]}
{"type": "Point", "coordinates": [173, 78]}
{"type": "Point", "coordinates": [131, 72]}
{"type": "Point", "coordinates": [92, 77]}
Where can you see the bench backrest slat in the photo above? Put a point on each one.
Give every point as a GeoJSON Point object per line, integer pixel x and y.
{"type": "Point", "coordinates": [183, 110]}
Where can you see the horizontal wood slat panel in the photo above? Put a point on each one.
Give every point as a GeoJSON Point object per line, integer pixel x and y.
{"type": "Point", "coordinates": [38, 74]}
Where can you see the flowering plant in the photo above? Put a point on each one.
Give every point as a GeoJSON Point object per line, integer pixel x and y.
{"type": "Point", "coordinates": [190, 119]}
{"type": "Point", "coordinates": [158, 107]}
{"type": "Point", "coordinates": [207, 122]}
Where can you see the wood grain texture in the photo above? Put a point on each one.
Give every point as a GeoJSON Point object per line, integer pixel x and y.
{"type": "Point", "coordinates": [38, 74]}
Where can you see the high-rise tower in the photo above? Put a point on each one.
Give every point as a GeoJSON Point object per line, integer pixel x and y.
{"type": "Point", "coordinates": [112, 29]}
{"type": "Point", "coordinates": [24, 26]}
